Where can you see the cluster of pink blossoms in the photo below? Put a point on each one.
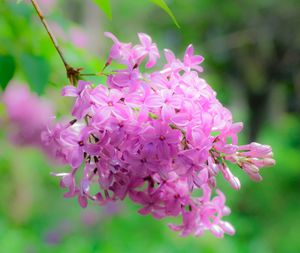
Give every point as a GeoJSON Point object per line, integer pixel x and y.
{"type": "Point", "coordinates": [28, 115]}
{"type": "Point", "coordinates": [157, 137]}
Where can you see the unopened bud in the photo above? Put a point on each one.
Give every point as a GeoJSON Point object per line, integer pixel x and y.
{"type": "Point", "coordinates": [268, 162]}
{"type": "Point", "coordinates": [235, 183]}
{"type": "Point", "coordinates": [255, 176]}
{"type": "Point", "coordinates": [250, 168]}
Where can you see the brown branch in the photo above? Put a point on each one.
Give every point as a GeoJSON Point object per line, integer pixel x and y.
{"type": "Point", "coordinates": [72, 73]}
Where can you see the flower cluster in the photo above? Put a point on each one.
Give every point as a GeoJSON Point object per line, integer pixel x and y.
{"type": "Point", "coordinates": [28, 115]}
{"type": "Point", "coordinates": [157, 137]}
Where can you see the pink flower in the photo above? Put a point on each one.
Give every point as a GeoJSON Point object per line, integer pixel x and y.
{"type": "Point", "coordinates": [123, 79]}
{"type": "Point", "coordinates": [64, 141]}
{"type": "Point", "coordinates": [141, 163]}
{"type": "Point", "coordinates": [167, 101]}
{"type": "Point", "coordinates": [108, 102]}
{"type": "Point", "coordinates": [121, 52]}
{"type": "Point", "coordinates": [173, 65]}
{"type": "Point", "coordinates": [147, 48]}
{"type": "Point", "coordinates": [82, 94]}
{"type": "Point", "coordinates": [161, 138]}
{"type": "Point", "coordinates": [192, 61]}
{"type": "Point", "coordinates": [27, 113]}
{"type": "Point", "coordinates": [78, 37]}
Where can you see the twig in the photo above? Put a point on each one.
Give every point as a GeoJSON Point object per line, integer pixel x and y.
{"type": "Point", "coordinates": [72, 73]}
{"type": "Point", "coordinates": [96, 74]}
{"type": "Point", "coordinates": [89, 74]}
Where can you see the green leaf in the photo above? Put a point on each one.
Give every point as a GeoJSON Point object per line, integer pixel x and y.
{"type": "Point", "coordinates": [162, 4]}
{"type": "Point", "coordinates": [105, 7]}
{"type": "Point", "coordinates": [36, 70]}
{"type": "Point", "coordinates": [7, 69]}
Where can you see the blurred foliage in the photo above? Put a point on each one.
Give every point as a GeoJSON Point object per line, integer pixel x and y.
{"type": "Point", "coordinates": [162, 4]}
{"type": "Point", "coordinates": [252, 51]}
{"type": "Point", "coordinates": [7, 62]}
{"type": "Point", "coordinates": [105, 6]}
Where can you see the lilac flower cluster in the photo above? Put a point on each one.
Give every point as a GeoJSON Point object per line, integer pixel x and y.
{"type": "Point", "coordinates": [157, 137]}
{"type": "Point", "coordinates": [28, 115]}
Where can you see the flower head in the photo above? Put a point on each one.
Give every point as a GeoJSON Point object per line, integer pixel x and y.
{"type": "Point", "coordinates": [155, 137]}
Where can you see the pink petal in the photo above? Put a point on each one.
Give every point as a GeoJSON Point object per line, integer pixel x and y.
{"type": "Point", "coordinates": [115, 95]}
{"type": "Point", "coordinates": [76, 158]}
{"type": "Point", "coordinates": [68, 180]}
{"type": "Point", "coordinates": [82, 200]}
{"type": "Point", "coordinates": [169, 55]}
{"type": "Point", "coordinates": [227, 227]}
{"type": "Point", "coordinates": [111, 36]}
{"type": "Point", "coordinates": [189, 50]}
{"type": "Point", "coordinates": [167, 112]}
{"type": "Point", "coordinates": [145, 40]}
{"type": "Point", "coordinates": [217, 231]}
{"type": "Point", "coordinates": [154, 101]}
{"type": "Point", "coordinates": [151, 62]}
{"type": "Point", "coordinates": [69, 91]}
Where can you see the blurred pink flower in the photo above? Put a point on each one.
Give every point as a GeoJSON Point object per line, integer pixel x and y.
{"type": "Point", "coordinates": [78, 37]}
{"type": "Point", "coordinates": [28, 114]}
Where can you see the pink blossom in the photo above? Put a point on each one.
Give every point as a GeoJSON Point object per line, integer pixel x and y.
{"type": "Point", "coordinates": [123, 79]}
{"type": "Point", "coordinates": [147, 48]}
{"type": "Point", "coordinates": [108, 103]}
{"type": "Point", "coordinates": [82, 94]}
{"type": "Point", "coordinates": [79, 37]}
{"type": "Point", "coordinates": [120, 52]}
{"type": "Point", "coordinates": [161, 138]}
{"type": "Point", "coordinates": [192, 61]}
{"type": "Point", "coordinates": [28, 114]}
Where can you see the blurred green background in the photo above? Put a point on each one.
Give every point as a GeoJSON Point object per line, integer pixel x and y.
{"type": "Point", "coordinates": [252, 52]}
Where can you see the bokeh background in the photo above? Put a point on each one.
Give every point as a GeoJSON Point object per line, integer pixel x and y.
{"type": "Point", "coordinates": [252, 60]}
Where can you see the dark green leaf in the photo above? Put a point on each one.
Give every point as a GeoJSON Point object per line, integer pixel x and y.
{"type": "Point", "coordinates": [105, 7]}
{"type": "Point", "coordinates": [7, 69]}
{"type": "Point", "coordinates": [36, 70]}
{"type": "Point", "coordinates": [162, 4]}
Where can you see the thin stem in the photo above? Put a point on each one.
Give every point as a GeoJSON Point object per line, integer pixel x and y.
{"type": "Point", "coordinates": [51, 35]}
{"type": "Point", "coordinates": [95, 74]}
{"type": "Point", "coordinates": [72, 73]}
{"type": "Point", "coordinates": [88, 74]}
